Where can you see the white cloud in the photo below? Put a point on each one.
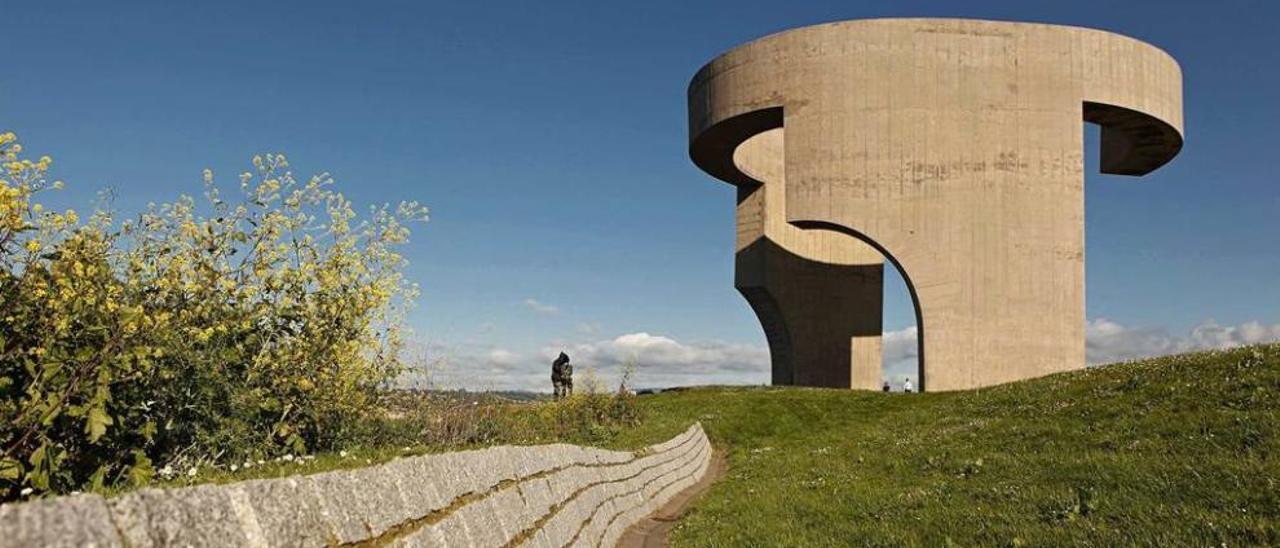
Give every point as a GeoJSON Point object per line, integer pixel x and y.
{"type": "Point", "coordinates": [659, 362]}
{"type": "Point", "coordinates": [503, 358]}
{"type": "Point", "coordinates": [540, 307]}
{"type": "Point", "coordinates": [901, 353]}
{"type": "Point", "coordinates": [472, 366]}
{"type": "Point", "coordinates": [662, 361]}
{"type": "Point", "coordinates": [1109, 341]}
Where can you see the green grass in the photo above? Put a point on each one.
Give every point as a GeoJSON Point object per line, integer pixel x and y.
{"type": "Point", "coordinates": [1172, 451]}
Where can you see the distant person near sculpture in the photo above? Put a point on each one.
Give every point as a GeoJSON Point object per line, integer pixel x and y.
{"type": "Point", "coordinates": [562, 376]}
{"type": "Point", "coordinates": [907, 387]}
{"type": "Point", "coordinates": [885, 387]}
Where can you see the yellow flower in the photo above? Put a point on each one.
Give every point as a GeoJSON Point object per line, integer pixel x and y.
{"type": "Point", "coordinates": [33, 246]}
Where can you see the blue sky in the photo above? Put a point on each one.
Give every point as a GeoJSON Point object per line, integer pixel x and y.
{"type": "Point", "coordinates": [549, 138]}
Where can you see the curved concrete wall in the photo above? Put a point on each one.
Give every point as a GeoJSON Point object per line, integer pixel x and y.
{"type": "Point", "coordinates": [952, 147]}
{"type": "Point", "coordinates": [549, 495]}
{"type": "Point", "coordinates": [819, 294]}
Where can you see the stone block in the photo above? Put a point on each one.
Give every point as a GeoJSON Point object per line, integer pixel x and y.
{"type": "Point", "coordinates": [418, 479]}
{"type": "Point", "coordinates": [361, 504]}
{"type": "Point", "coordinates": [426, 536]}
{"type": "Point", "coordinates": [454, 476]}
{"type": "Point", "coordinates": [485, 528]}
{"type": "Point", "coordinates": [78, 520]}
{"type": "Point", "coordinates": [538, 496]}
{"type": "Point", "coordinates": [456, 531]}
{"type": "Point", "coordinates": [288, 511]}
{"type": "Point", "coordinates": [203, 515]}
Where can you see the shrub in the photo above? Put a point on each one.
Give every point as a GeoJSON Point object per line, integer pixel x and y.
{"type": "Point", "coordinates": [461, 419]}
{"type": "Point", "coordinates": [230, 329]}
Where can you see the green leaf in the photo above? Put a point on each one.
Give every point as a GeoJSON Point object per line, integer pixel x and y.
{"type": "Point", "coordinates": [40, 467]}
{"type": "Point", "coordinates": [37, 457]}
{"type": "Point", "coordinates": [97, 423]}
{"type": "Point", "coordinates": [296, 443]}
{"type": "Point", "coordinates": [75, 410]}
{"type": "Point", "coordinates": [97, 479]}
{"type": "Point", "coordinates": [10, 469]}
{"type": "Point", "coordinates": [141, 471]}
{"type": "Point", "coordinates": [148, 430]}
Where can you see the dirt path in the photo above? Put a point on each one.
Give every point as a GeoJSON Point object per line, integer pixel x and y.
{"type": "Point", "coordinates": [652, 532]}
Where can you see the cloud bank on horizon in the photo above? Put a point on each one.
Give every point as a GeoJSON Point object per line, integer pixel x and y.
{"type": "Point", "coordinates": [661, 361]}
{"type": "Point", "coordinates": [1108, 341]}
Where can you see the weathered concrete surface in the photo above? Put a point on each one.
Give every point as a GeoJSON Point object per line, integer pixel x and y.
{"type": "Point", "coordinates": [953, 148]}
{"type": "Point", "coordinates": [550, 495]}
{"type": "Point", "coordinates": [818, 294]}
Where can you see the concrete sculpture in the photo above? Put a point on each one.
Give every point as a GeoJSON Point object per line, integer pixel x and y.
{"type": "Point", "coordinates": [951, 147]}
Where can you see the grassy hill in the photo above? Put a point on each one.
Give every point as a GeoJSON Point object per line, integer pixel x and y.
{"type": "Point", "coordinates": [1173, 451]}
{"type": "Point", "coordinates": [1181, 450]}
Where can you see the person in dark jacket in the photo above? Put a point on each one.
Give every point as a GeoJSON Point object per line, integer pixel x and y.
{"type": "Point", "coordinates": [562, 376]}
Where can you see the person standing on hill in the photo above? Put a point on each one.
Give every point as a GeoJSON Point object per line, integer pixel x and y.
{"type": "Point", "coordinates": [906, 386]}
{"type": "Point", "coordinates": [562, 376]}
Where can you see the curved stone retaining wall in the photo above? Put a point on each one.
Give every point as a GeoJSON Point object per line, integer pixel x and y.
{"type": "Point", "coordinates": [548, 495]}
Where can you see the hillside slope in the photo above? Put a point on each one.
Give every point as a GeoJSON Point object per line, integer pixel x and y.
{"type": "Point", "coordinates": [1181, 450]}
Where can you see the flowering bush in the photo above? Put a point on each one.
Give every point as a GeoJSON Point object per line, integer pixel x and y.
{"type": "Point", "coordinates": [209, 331]}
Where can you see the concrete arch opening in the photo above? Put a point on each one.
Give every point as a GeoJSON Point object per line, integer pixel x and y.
{"type": "Point", "coordinates": [900, 339]}
{"type": "Point", "coordinates": [920, 370]}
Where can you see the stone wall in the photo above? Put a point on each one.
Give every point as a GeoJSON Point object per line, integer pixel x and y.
{"type": "Point", "coordinates": [549, 495]}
